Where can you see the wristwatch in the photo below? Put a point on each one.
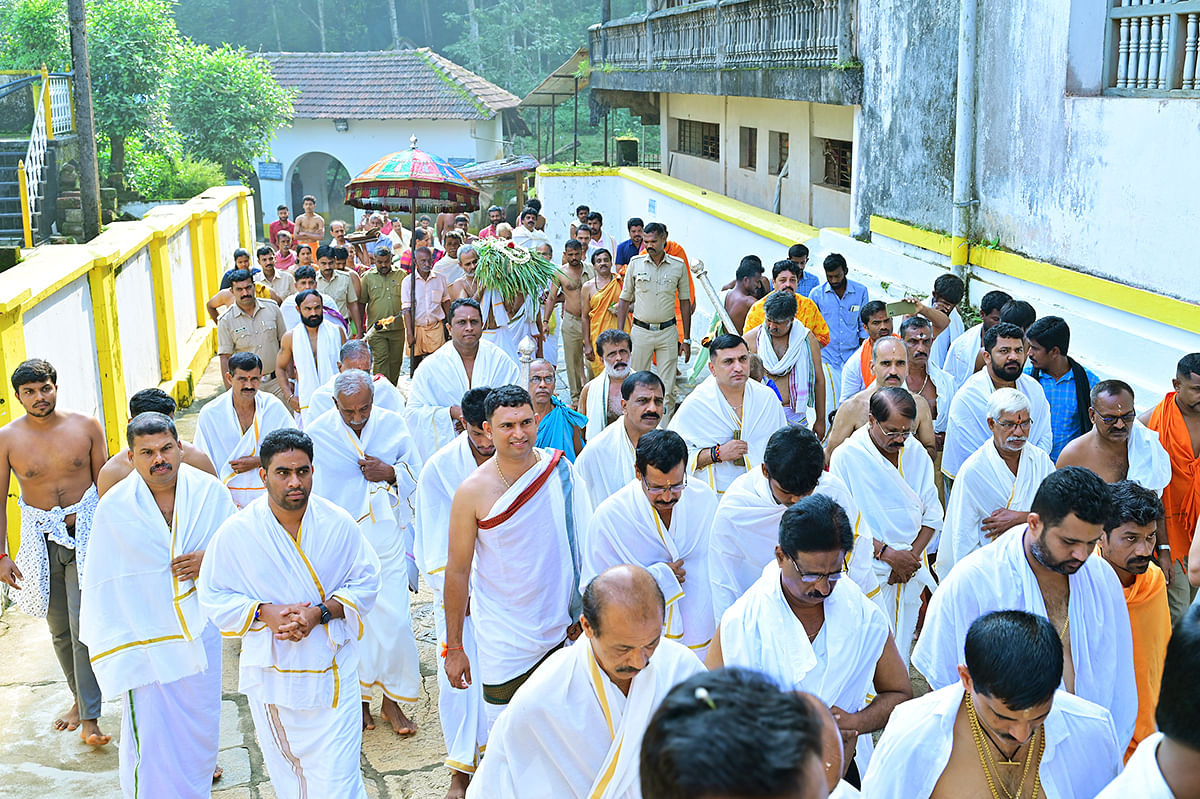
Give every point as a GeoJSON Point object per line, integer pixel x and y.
{"type": "Point", "coordinates": [687, 341]}
{"type": "Point", "coordinates": [326, 616]}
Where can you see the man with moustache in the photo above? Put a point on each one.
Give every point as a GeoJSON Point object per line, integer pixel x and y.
{"type": "Point", "coordinates": [465, 286]}
{"type": "Point", "coordinates": [890, 477]}
{"type": "Point", "coordinates": [517, 515]}
{"type": "Point", "coordinates": [56, 456]}
{"type": "Point", "coordinates": [119, 466]}
{"type": "Point", "coordinates": [600, 399]}
{"type": "Point", "coordinates": [889, 367]}
{"type": "Point", "coordinates": [308, 354]}
{"type": "Point", "coordinates": [856, 371]}
{"type": "Point", "coordinates": [607, 462]}
{"type": "Point", "coordinates": [1004, 360]}
{"type": "Point", "coordinates": [995, 486]}
{"type": "Point", "coordinates": [1118, 446]}
{"type": "Point", "coordinates": [790, 354]}
{"type": "Point", "coordinates": [1045, 567]}
{"type": "Point", "coordinates": [461, 712]}
{"type": "Point", "coordinates": [926, 378]}
{"type": "Point", "coordinates": [598, 300]}
{"type": "Point", "coordinates": [559, 427]}
{"type": "Point", "coordinates": [154, 646]}
{"type": "Point", "coordinates": [1128, 545]}
{"type": "Point", "coordinates": [425, 304]}
{"type": "Point", "coordinates": [661, 521]}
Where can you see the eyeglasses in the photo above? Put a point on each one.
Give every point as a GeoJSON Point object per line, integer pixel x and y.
{"type": "Point", "coordinates": [537, 379]}
{"type": "Point", "coordinates": [1127, 418]}
{"type": "Point", "coordinates": [898, 435]}
{"type": "Point", "coordinates": [660, 490]}
{"type": "Point", "coordinates": [1005, 424]}
{"type": "Point", "coordinates": [815, 577]}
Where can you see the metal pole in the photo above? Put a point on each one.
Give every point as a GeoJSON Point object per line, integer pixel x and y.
{"type": "Point", "coordinates": [575, 150]}
{"type": "Point", "coordinates": [539, 133]}
{"type": "Point", "coordinates": [964, 140]}
{"type": "Point", "coordinates": [23, 193]}
{"type": "Point", "coordinates": [89, 172]}
{"type": "Point", "coordinates": [606, 137]}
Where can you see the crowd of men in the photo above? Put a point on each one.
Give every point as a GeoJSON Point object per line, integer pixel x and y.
{"type": "Point", "coordinates": [635, 594]}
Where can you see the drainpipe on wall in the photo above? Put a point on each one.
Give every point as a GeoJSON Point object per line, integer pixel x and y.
{"type": "Point", "coordinates": [964, 141]}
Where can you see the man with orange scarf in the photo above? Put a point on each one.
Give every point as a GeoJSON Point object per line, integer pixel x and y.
{"type": "Point", "coordinates": [1177, 421]}
{"type": "Point", "coordinates": [599, 300]}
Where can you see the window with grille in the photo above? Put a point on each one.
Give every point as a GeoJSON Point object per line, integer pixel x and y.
{"type": "Point", "coordinates": [777, 152]}
{"type": "Point", "coordinates": [838, 160]}
{"type": "Point", "coordinates": [1151, 48]}
{"type": "Point", "coordinates": [748, 148]}
{"type": "Point", "coordinates": [701, 139]}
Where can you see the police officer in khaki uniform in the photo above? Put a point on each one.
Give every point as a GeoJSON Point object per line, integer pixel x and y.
{"type": "Point", "coordinates": [250, 325]}
{"type": "Point", "coordinates": [336, 286]}
{"type": "Point", "coordinates": [651, 283]}
{"type": "Point", "coordinates": [381, 299]}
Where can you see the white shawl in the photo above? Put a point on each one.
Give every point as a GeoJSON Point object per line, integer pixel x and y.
{"type": "Point", "coordinates": [141, 624]}
{"type": "Point", "coordinates": [314, 368]}
{"type": "Point", "coordinates": [219, 436]}
{"type": "Point", "coordinates": [999, 577]}
{"type": "Point", "coordinates": [597, 405]}
{"type": "Point", "coordinates": [967, 428]}
{"type": "Point", "coordinates": [795, 364]}
{"type": "Point", "coordinates": [705, 418]}
{"type": "Point", "coordinates": [941, 344]}
{"type": "Point", "coordinates": [945, 385]}
{"type": "Point", "coordinates": [570, 732]}
{"type": "Point", "coordinates": [1080, 757]}
{"type": "Point", "coordinates": [1142, 777]}
{"type": "Point", "coordinates": [962, 352]}
{"type": "Point", "coordinates": [745, 533]}
{"type": "Point", "coordinates": [387, 396]}
{"type": "Point", "coordinates": [985, 484]}
{"type": "Point", "coordinates": [436, 485]}
{"type": "Point", "coordinates": [605, 464]}
{"type": "Point", "coordinates": [440, 382]}
{"type": "Point", "coordinates": [253, 560]}
{"type": "Point", "coordinates": [626, 529]}
{"type": "Point", "coordinates": [1149, 464]}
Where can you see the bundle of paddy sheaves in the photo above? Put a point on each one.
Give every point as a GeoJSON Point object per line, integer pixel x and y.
{"type": "Point", "coordinates": [509, 269]}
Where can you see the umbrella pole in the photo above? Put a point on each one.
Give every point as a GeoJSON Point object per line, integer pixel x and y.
{"type": "Point", "coordinates": [412, 294]}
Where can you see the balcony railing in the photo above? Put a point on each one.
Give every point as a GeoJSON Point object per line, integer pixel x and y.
{"type": "Point", "coordinates": [729, 34]}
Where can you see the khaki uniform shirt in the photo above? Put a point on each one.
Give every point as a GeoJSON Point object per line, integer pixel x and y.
{"type": "Point", "coordinates": [651, 287]}
{"type": "Point", "coordinates": [284, 284]}
{"type": "Point", "coordinates": [381, 294]}
{"type": "Point", "coordinates": [260, 333]}
{"type": "Point", "coordinates": [337, 291]}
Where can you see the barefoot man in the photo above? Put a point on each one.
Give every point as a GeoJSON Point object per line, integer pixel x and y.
{"type": "Point", "coordinates": [606, 463]}
{"type": "Point", "coordinates": [601, 396]}
{"type": "Point", "coordinates": [599, 302]}
{"type": "Point", "coordinates": [747, 289]}
{"type": "Point", "coordinates": [154, 646]}
{"type": "Point", "coordinates": [120, 466]}
{"type": "Point", "coordinates": [310, 226]}
{"type": "Point", "coordinates": [1119, 447]}
{"type": "Point", "coordinates": [56, 456]}
{"type": "Point", "coordinates": [308, 354]}
{"type": "Point", "coordinates": [790, 355]}
{"type": "Point", "coordinates": [576, 342]}
{"type": "Point", "coordinates": [518, 515]}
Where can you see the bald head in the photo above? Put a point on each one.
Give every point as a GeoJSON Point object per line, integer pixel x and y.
{"type": "Point", "coordinates": [889, 361]}
{"type": "Point", "coordinates": [831, 738]}
{"type": "Point", "coordinates": [628, 592]}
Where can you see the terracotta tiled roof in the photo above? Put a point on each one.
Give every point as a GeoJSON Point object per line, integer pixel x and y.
{"type": "Point", "coordinates": [386, 84]}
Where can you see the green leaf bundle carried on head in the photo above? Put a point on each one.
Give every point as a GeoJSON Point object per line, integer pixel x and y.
{"type": "Point", "coordinates": [511, 270]}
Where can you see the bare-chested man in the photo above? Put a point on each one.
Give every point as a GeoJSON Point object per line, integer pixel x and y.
{"type": "Point", "coordinates": [790, 353]}
{"type": "Point", "coordinates": [747, 289]}
{"type": "Point", "coordinates": [56, 456]}
{"type": "Point", "coordinates": [310, 226]}
{"type": "Point", "coordinates": [570, 295]}
{"type": "Point", "coordinates": [465, 286]}
{"type": "Point", "coordinates": [889, 364]}
{"type": "Point", "coordinates": [120, 466]}
{"type": "Point", "coordinates": [1118, 447]}
{"type": "Point", "coordinates": [601, 397]}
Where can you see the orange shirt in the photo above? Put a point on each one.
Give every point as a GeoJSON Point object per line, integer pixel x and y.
{"type": "Point", "coordinates": [1150, 619]}
{"type": "Point", "coordinates": [807, 314]}
{"type": "Point", "coordinates": [1181, 497]}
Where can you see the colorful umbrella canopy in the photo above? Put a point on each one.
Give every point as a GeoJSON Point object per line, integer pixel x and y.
{"type": "Point", "coordinates": [412, 180]}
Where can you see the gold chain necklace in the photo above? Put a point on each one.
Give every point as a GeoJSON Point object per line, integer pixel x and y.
{"type": "Point", "coordinates": [501, 471]}
{"type": "Point", "coordinates": [985, 758]}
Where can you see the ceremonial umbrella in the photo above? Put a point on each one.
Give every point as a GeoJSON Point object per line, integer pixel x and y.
{"type": "Point", "coordinates": [412, 180]}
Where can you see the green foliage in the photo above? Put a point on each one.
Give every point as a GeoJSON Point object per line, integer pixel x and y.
{"type": "Point", "coordinates": [156, 174]}
{"type": "Point", "coordinates": [32, 33]}
{"type": "Point", "coordinates": [131, 44]}
{"type": "Point", "coordinates": [225, 104]}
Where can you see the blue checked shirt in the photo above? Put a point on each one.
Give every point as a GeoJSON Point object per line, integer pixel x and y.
{"type": "Point", "coordinates": [1060, 393]}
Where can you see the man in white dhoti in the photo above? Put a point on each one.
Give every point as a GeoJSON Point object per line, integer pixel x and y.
{"type": "Point", "coordinates": [661, 521]}
{"type": "Point", "coordinates": [231, 428]}
{"type": "Point", "coordinates": [965, 350]}
{"type": "Point", "coordinates": [1000, 728]}
{"type": "Point", "coordinates": [810, 630]}
{"type": "Point", "coordinates": [356, 354]}
{"type": "Point", "coordinates": [746, 528]}
{"type": "Point", "coordinates": [925, 377]}
{"type": "Point", "coordinates": [733, 732]}
{"type": "Point", "coordinates": [1119, 447]}
{"type": "Point", "coordinates": [308, 354]}
{"type": "Point", "coordinates": [995, 486]}
{"type": "Point", "coordinates": [150, 640]}
{"type": "Point", "coordinates": [948, 291]}
{"type": "Point", "coordinates": [727, 419]}
{"type": "Point", "coordinates": [433, 414]}
{"type": "Point", "coordinates": [574, 731]}
{"type": "Point", "coordinates": [890, 477]}
{"type": "Point", "coordinates": [460, 711]}
{"type": "Point", "coordinates": [365, 462]}
{"type": "Point", "coordinates": [606, 463]}
{"type": "Point", "coordinates": [1166, 764]}
{"type": "Point", "coordinates": [967, 429]}
{"type": "Point", "coordinates": [600, 398]}
{"type": "Point", "coordinates": [515, 527]}
{"type": "Point", "coordinates": [120, 466]}
{"type": "Point", "coordinates": [791, 357]}
{"type": "Point", "coordinates": [1046, 567]}
{"type": "Point", "coordinates": [294, 578]}
{"type": "Point", "coordinates": [856, 371]}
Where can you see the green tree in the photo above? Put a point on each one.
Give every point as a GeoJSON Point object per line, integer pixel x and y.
{"type": "Point", "coordinates": [32, 33]}
{"type": "Point", "coordinates": [131, 44]}
{"type": "Point", "coordinates": [225, 104]}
